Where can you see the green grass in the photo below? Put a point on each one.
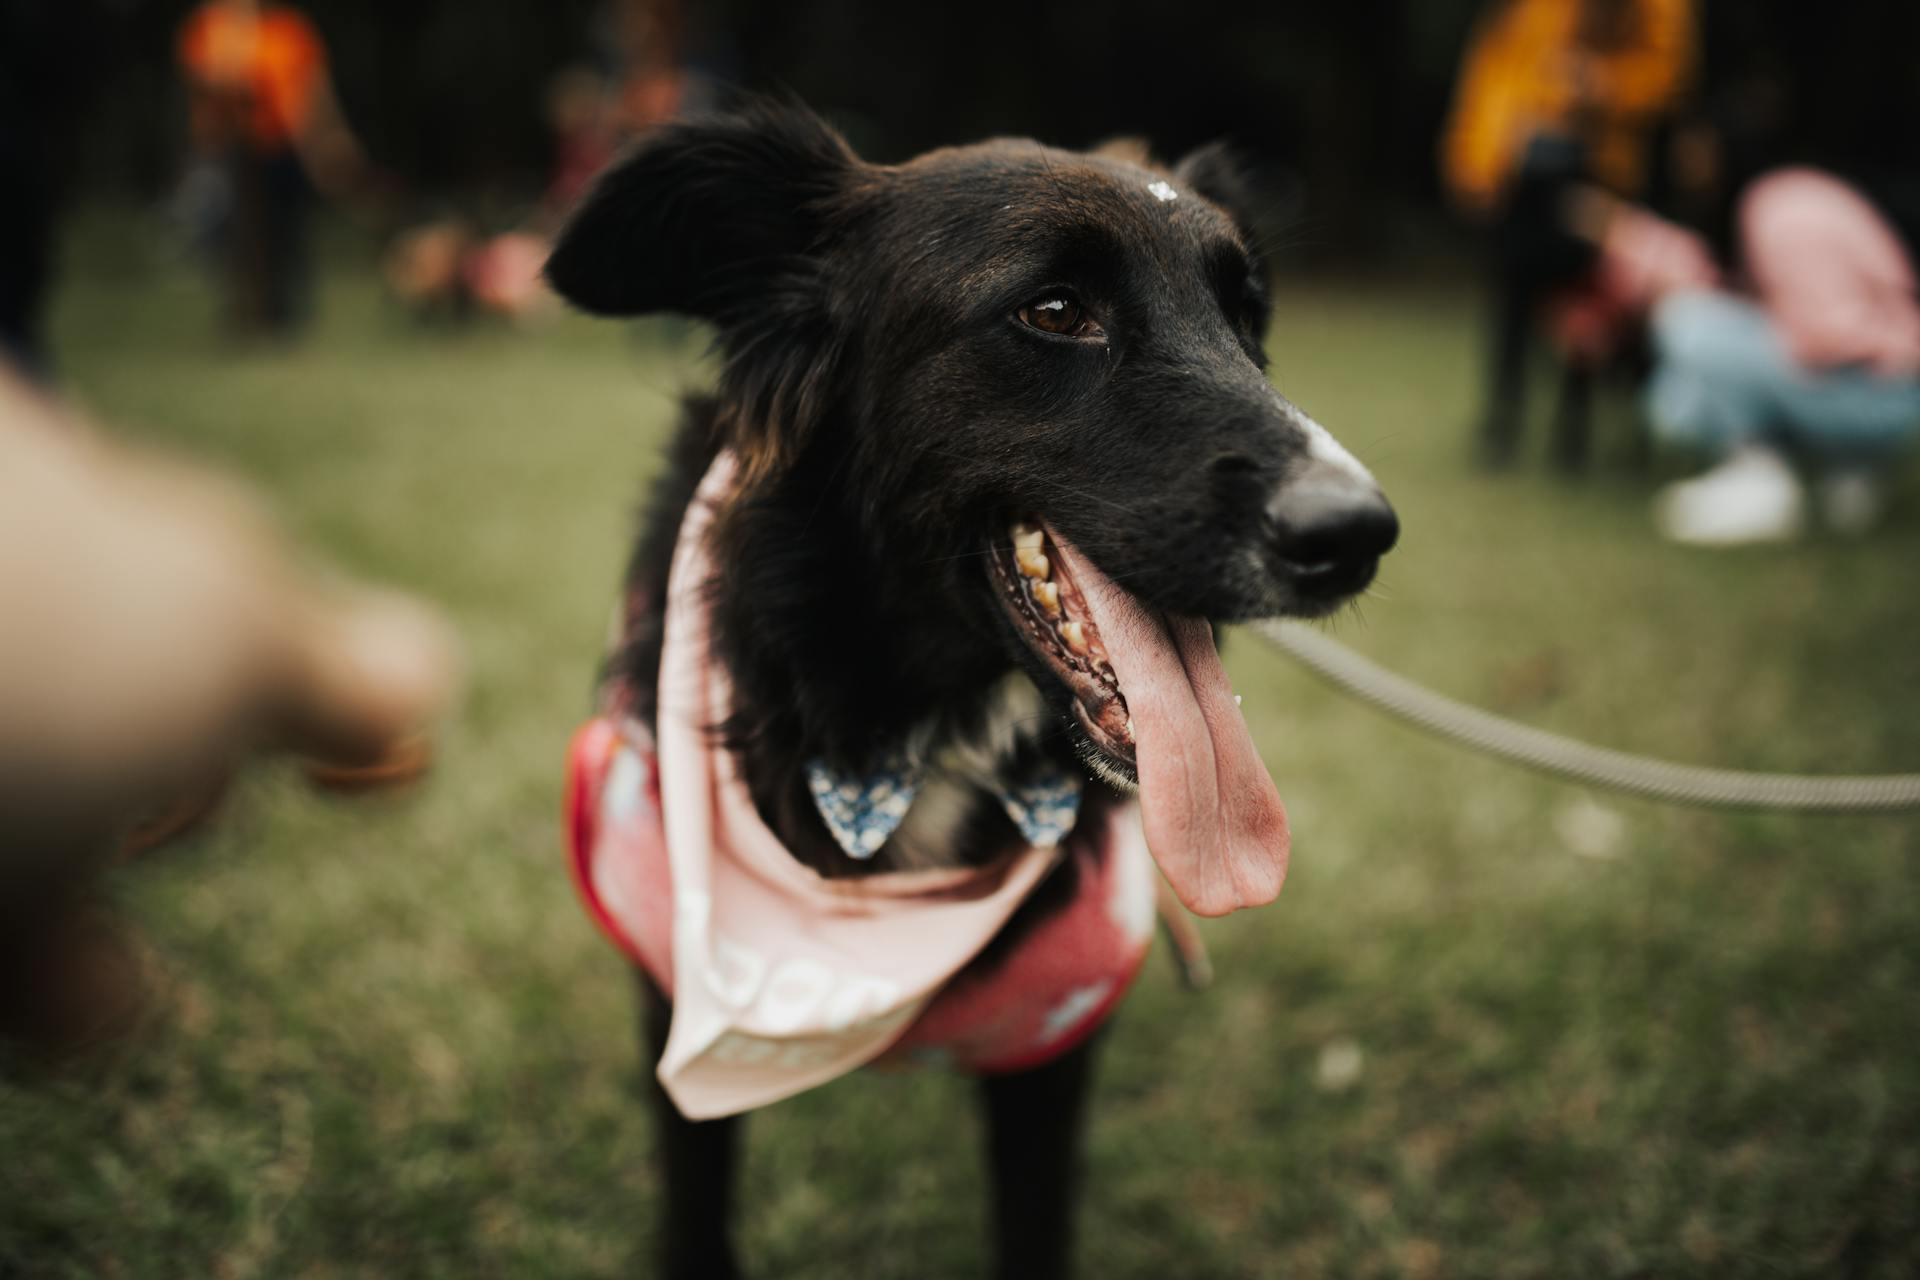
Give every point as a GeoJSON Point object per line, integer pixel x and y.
{"type": "Point", "coordinates": [393, 1045]}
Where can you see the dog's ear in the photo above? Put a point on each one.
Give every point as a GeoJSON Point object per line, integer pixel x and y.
{"type": "Point", "coordinates": [700, 213]}
{"type": "Point", "coordinates": [1128, 147]}
{"type": "Point", "coordinates": [1217, 172]}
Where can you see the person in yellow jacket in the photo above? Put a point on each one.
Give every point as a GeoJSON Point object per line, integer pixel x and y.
{"type": "Point", "coordinates": [1551, 94]}
{"type": "Point", "coordinates": [1601, 72]}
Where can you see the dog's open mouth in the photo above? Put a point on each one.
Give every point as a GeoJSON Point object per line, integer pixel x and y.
{"type": "Point", "coordinates": [1051, 613]}
{"type": "Point", "coordinates": [1154, 702]}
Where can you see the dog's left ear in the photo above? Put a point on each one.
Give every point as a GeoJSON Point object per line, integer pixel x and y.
{"type": "Point", "coordinates": [1217, 173]}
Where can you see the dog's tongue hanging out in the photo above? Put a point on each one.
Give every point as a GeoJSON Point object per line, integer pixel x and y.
{"type": "Point", "coordinates": [1214, 821]}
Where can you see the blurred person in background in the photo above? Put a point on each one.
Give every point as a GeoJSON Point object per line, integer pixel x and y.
{"type": "Point", "coordinates": [1554, 95]}
{"type": "Point", "coordinates": [639, 76]}
{"type": "Point", "coordinates": [267, 130]}
{"type": "Point", "coordinates": [450, 269]}
{"type": "Point", "coordinates": [586, 135]}
{"type": "Point", "coordinates": [644, 45]}
{"type": "Point", "coordinates": [1600, 319]}
{"type": "Point", "coordinates": [1817, 359]}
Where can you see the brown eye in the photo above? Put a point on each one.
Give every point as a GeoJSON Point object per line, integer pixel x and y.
{"type": "Point", "coordinates": [1060, 315]}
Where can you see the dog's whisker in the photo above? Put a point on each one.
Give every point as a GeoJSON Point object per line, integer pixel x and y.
{"type": "Point", "coordinates": [979, 553]}
{"type": "Point", "coordinates": [1057, 483]}
{"type": "Point", "coordinates": [827, 488]}
{"type": "Point", "coordinates": [1291, 235]}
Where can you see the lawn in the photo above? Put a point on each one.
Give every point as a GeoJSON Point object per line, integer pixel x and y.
{"type": "Point", "coordinates": [1496, 1027]}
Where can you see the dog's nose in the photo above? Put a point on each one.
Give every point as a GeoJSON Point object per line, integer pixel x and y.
{"type": "Point", "coordinates": [1329, 530]}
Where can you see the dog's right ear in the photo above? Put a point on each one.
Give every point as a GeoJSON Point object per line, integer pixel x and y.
{"type": "Point", "coordinates": [700, 213]}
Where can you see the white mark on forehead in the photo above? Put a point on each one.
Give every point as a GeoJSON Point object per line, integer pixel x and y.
{"type": "Point", "coordinates": [1163, 192]}
{"type": "Point", "coordinates": [1322, 446]}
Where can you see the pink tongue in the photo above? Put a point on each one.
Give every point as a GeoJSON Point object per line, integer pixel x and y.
{"type": "Point", "coordinates": [1214, 822]}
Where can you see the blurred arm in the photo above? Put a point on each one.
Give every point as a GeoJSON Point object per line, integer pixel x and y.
{"type": "Point", "coordinates": [158, 629]}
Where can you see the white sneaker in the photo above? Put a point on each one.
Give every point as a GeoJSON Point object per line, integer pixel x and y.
{"type": "Point", "coordinates": [1751, 497]}
{"type": "Point", "coordinates": [1852, 500]}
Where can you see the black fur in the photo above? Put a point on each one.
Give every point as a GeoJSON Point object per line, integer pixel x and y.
{"type": "Point", "coordinates": [891, 412]}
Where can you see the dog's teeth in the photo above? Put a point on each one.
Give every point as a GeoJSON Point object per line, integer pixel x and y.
{"type": "Point", "coordinates": [1047, 596]}
{"type": "Point", "coordinates": [1027, 537]}
{"type": "Point", "coordinates": [1074, 634]}
{"type": "Point", "coordinates": [1033, 563]}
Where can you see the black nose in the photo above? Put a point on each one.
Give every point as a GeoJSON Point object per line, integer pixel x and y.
{"type": "Point", "coordinates": [1329, 529]}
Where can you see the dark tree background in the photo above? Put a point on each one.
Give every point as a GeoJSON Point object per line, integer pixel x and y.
{"type": "Point", "coordinates": [1341, 98]}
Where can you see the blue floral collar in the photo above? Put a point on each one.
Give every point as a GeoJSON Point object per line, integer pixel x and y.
{"type": "Point", "coordinates": [863, 811]}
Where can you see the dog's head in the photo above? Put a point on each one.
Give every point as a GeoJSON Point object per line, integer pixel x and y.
{"type": "Point", "coordinates": [1040, 371]}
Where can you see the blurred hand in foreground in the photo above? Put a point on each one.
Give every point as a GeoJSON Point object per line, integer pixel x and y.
{"type": "Point", "coordinates": [156, 631]}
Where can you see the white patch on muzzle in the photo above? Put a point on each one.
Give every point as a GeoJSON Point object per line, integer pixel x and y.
{"type": "Point", "coordinates": [1323, 447]}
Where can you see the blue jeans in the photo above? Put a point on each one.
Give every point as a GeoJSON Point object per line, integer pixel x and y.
{"type": "Point", "coordinates": [1722, 377]}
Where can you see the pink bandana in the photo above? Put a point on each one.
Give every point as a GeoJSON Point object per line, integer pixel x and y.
{"type": "Point", "coordinates": [783, 979]}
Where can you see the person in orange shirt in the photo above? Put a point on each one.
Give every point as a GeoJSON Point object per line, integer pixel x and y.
{"type": "Point", "coordinates": [264, 114]}
{"type": "Point", "coordinates": [1553, 96]}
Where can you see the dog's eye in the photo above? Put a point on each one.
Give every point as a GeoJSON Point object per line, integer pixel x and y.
{"type": "Point", "coordinates": [1061, 315]}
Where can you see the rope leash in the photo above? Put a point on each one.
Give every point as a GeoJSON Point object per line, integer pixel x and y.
{"type": "Point", "coordinates": [1563, 757]}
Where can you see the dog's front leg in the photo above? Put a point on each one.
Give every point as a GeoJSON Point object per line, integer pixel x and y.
{"type": "Point", "coordinates": [1034, 1124]}
{"type": "Point", "coordinates": [695, 1162]}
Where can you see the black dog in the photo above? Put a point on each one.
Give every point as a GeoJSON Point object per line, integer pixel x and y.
{"type": "Point", "coordinates": [926, 365]}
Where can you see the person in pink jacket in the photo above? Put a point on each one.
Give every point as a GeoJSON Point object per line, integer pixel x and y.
{"type": "Point", "coordinates": [1818, 361]}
